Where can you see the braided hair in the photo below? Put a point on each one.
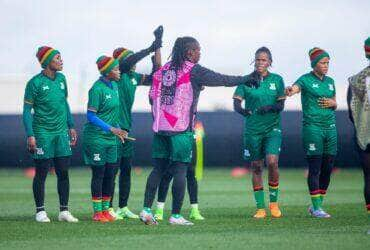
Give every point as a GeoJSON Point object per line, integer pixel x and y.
{"type": "Point", "coordinates": [180, 49]}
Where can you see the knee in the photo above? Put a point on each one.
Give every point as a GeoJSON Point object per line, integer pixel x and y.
{"type": "Point", "coordinates": [273, 165]}
{"type": "Point", "coordinates": [257, 168]}
{"type": "Point", "coordinates": [62, 174]}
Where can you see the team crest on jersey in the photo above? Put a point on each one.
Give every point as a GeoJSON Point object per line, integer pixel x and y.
{"type": "Point", "coordinates": [246, 153]}
{"type": "Point", "coordinates": [133, 81]}
{"type": "Point", "coordinates": [312, 147]}
{"type": "Point", "coordinates": [45, 87]}
{"type": "Point", "coordinates": [331, 87]}
{"type": "Point", "coordinates": [272, 86]}
{"type": "Point", "coordinates": [61, 85]}
{"type": "Point", "coordinates": [39, 151]}
{"type": "Point", "coordinates": [108, 97]}
{"type": "Point", "coordinates": [97, 157]}
{"type": "Point", "coordinates": [315, 85]}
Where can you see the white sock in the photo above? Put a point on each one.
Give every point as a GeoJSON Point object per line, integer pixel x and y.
{"type": "Point", "coordinates": [160, 205]}
{"type": "Point", "coordinates": [195, 206]}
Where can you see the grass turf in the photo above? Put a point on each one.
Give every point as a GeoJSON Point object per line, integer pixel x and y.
{"type": "Point", "coordinates": [226, 203]}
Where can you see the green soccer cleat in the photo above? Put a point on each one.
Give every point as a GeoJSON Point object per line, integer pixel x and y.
{"type": "Point", "coordinates": [195, 214]}
{"type": "Point", "coordinates": [158, 215]}
{"type": "Point", "coordinates": [125, 213]}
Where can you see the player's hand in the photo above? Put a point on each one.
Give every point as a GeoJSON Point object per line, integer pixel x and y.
{"type": "Point", "coordinates": [121, 134]}
{"type": "Point", "coordinates": [31, 144]}
{"type": "Point", "coordinates": [73, 135]}
{"type": "Point", "coordinates": [247, 112]}
{"type": "Point", "coordinates": [327, 103]}
{"type": "Point", "coordinates": [289, 91]}
{"type": "Point", "coordinates": [158, 32]}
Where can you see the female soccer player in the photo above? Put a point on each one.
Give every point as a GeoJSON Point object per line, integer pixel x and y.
{"type": "Point", "coordinates": [358, 99]}
{"type": "Point", "coordinates": [262, 132]}
{"type": "Point", "coordinates": [319, 130]}
{"type": "Point", "coordinates": [174, 96]}
{"type": "Point", "coordinates": [50, 132]}
{"type": "Point", "coordinates": [99, 136]}
{"type": "Point", "coordinates": [127, 88]}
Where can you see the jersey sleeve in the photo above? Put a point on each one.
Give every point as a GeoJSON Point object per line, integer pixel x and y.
{"type": "Point", "coordinates": [94, 100]}
{"type": "Point", "coordinates": [239, 93]}
{"type": "Point", "coordinates": [30, 92]}
{"type": "Point", "coordinates": [300, 83]}
{"type": "Point", "coordinates": [281, 87]}
{"type": "Point", "coordinates": [65, 86]}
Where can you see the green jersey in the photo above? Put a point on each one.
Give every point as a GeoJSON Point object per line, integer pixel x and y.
{"type": "Point", "coordinates": [104, 100]}
{"type": "Point", "coordinates": [48, 98]}
{"type": "Point", "coordinates": [127, 88]}
{"type": "Point", "coordinates": [312, 89]}
{"type": "Point", "coordinates": [267, 93]}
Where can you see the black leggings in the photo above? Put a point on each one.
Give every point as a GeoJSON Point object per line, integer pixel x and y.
{"type": "Point", "coordinates": [319, 171]}
{"type": "Point", "coordinates": [124, 182]}
{"type": "Point", "coordinates": [102, 180]}
{"type": "Point", "coordinates": [192, 185]}
{"type": "Point", "coordinates": [61, 165]}
{"type": "Point", "coordinates": [365, 162]}
{"type": "Point", "coordinates": [178, 171]}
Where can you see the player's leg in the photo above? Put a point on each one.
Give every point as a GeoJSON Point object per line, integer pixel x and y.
{"type": "Point", "coordinates": [124, 189]}
{"type": "Point", "coordinates": [38, 186]}
{"type": "Point", "coordinates": [192, 185]}
{"type": "Point", "coordinates": [96, 192]}
{"type": "Point", "coordinates": [313, 144]}
{"type": "Point", "coordinates": [61, 165]}
{"type": "Point", "coordinates": [162, 194]}
{"type": "Point", "coordinates": [365, 162]}
{"type": "Point", "coordinates": [181, 157]}
{"type": "Point", "coordinates": [160, 155]}
{"type": "Point", "coordinates": [272, 146]}
{"type": "Point", "coordinates": [328, 159]}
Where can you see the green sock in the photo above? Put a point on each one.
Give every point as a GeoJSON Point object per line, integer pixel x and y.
{"type": "Point", "coordinates": [97, 205]}
{"type": "Point", "coordinates": [274, 192]}
{"type": "Point", "coordinates": [176, 216]}
{"type": "Point", "coordinates": [259, 196]}
{"type": "Point", "coordinates": [106, 203]}
{"type": "Point", "coordinates": [316, 201]}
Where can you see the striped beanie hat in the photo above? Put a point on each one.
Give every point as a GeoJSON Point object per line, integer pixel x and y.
{"type": "Point", "coordinates": [367, 47]}
{"type": "Point", "coordinates": [45, 54]}
{"type": "Point", "coordinates": [106, 64]}
{"type": "Point", "coordinates": [316, 54]}
{"type": "Point", "coordinates": [122, 53]}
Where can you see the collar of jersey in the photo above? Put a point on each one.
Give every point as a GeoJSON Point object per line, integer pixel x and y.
{"type": "Point", "coordinates": [106, 82]}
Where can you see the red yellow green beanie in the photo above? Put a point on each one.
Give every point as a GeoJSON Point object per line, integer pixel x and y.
{"type": "Point", "coordinates": [45, 54]}
{"type": "Point", "coordinates": [367, 47]}
{"type": "Point", "coordinates": [316, 54]}
{"type": "Point", "coordinates": [122, 53]}
{"type": "Point", "coordinates": [106, 64]}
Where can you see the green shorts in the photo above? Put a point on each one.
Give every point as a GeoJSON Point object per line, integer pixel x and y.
{"type": "Point", "coordinates": [319, 141]}
{"type": "Point", "coordinates": [52, 146]}
{"type": "Point", "coordinates": [174, 147]}
{"type": "Point", "coordinates": [125, 149]}
{"type": "Point", "coordinates": [99, 155]}
{"type": "Point", "coordinates": [257, 146]}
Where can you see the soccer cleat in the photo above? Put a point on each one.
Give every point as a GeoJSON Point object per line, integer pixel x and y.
{"type": "Point", "coordinates": [195, 214]}
{"type": "Point", "coordinates": [180, 221]}
{"type": "Point", "coordinates": [260, 214]}
{"type": "Point", "coordinates": [125, 213]}
{"type": "Point", "coordinates": [99, 217]}
{"type": "Point", "coordinates": [67, 216]}
{"type": "Point", "coordinates": [158, 215]}
{"type": "Point", "coordinates": [112, 213]}
{"type": "Point", "coordinates": [42, 217]}
{"type": "Point", "coordinates": [108, 216]}
{"type": "Point", "coordinates": [147, 217]}
{"type": "Point", "coordinates": [319, 213]}
{"type": "Point", "coordinates": [310, 209]}
{"type": "Point", "coordinates": [275, 210]}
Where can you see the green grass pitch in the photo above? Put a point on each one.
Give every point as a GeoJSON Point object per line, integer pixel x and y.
{"type": "Point", "coordinates": [227, 204]}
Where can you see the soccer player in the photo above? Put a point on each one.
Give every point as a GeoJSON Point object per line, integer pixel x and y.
{"type": "Point", "coordinates": [192, 186]}
{"type": "Point", "coordinates": [319, 129]}
{"type": "Point", "coordinates": [174, 96]}
{"type": "Point", "coordinates": [358, 99]}
{"type": "Point", "coordinates": [127, 88]}
{"type": "Point", "coordinates": [50, 132]}
{"type": "Point", "coordinates": [99, 136]}
{"type": "Point", "coordinates": [262, 132]}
